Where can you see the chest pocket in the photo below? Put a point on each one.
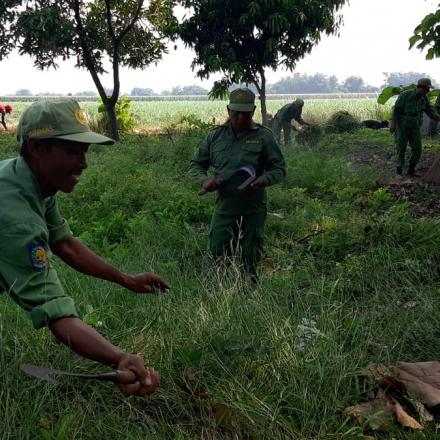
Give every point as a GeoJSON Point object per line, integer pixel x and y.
{"type": "Point", "coordinates": [218, 154]}
{"type": "Point", "coordinates": [251, 153]}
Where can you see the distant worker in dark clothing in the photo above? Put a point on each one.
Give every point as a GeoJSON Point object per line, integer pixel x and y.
{"type": "Point", "coordinates": [433, 124]}
{"type": "Point", "coordinates": [374, 124]}
{"type": "Point", "coordinates": [283, 119]}
{"type": "Point", "coordinates": [406, 123]}
{"type": "Point", "coordinates": [4, 110]}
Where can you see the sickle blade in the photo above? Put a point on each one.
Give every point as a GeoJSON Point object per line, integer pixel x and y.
{"type": "Point", "coordinates": [42, 373]}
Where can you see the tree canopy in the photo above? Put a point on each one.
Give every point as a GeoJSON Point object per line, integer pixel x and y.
{"type": "Point", "coordinates": [241, 39]}
{"type": "Point", "coordinates": [101, 35]}
{"type": "Point", "coordinates": [403, 78]}
{"type": "Point", "coordinates": [8, 12]}
{"type": "Point", "coordinates": [427, 35]}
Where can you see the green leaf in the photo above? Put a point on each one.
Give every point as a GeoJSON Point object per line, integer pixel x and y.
{"type": "Point", "coordinates": [45, 434]}
{"type": "Point", "coordinates": [63, 426]}
{"type": "Point", "coordinates": [388, 93]}
{"type": "Point", "coordinates": [413, 40]}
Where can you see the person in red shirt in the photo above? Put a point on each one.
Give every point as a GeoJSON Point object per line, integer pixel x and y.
{"type": "Point", "coordinates": [4, 110]}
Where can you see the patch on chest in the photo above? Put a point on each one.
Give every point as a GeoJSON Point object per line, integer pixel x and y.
{"type": "Point", "coordinates": [38, 255]}
{"type": "Point", "coordinates": [253, 141]}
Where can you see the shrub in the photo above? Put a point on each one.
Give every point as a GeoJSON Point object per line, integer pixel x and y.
{"type": "Point", "coordinates": [124, 117]}
{"type": "Point", "coordinates": [310, 135]}
{"type": "Point", "coordinates": [342, 122]}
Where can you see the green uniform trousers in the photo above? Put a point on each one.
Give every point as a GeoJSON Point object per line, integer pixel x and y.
{"type": "Point", "coordinates": [279, 125]}
{"type": "Point", "coordinates": [238, 236]}
{"type": "Point", "coordinates": [408, 130]}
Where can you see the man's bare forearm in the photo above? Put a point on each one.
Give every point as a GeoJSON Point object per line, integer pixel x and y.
{"type": "Point", "coordinates": [86, 341]}
{"type": "Point", "coordinates": [84, 260]}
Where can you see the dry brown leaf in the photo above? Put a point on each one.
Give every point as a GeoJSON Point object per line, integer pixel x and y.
{"type": "Point", "coordinates": [421, 379]}
{"type": "Point", "coordinates": [222, 414]}
{"type": "Point", "coordinates": [404, 418]}
{"type": "Point", "coordinates": [378, 413]}
{"type": "Point", "coordinates": [383, 375]}
{"type": "Point", "coordinates": [201, 393]}
{"type": "Point", "coordinates": [189, 374]}
{"type": "Point", "coordinates": [424, 414]}
{"type": "Point", "coordinates": [408, 304]}
{"type": "Point", "coordinates": [47, 422]}
{"type": "Point", "coordinates": [268, 264]}
{"type": "Point", "coordinates": [378, 372]}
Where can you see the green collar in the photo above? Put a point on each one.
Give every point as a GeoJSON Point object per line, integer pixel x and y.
{"type": "Point", "coordinates": [254, 126]}
{"type": "Point", "coordinates": [27, 179]}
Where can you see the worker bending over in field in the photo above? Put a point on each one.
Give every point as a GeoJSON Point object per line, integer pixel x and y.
{"type": "Point", "coordinates": [54, 138]}
{"type": "Point", "coordinates": [5, 110]}
{"type": "Point", "coordinates": [245, 158]}
{"type": "Point", "coordinates": [283, 119]}
{"type": "Point", "coordinates": [406, 122]}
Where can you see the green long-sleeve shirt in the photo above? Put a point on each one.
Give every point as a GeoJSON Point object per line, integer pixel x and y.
{"type": "Point", "coordinates": [289, 112]}
{"type": "Point", "coordinates": [226, 154]}
{"type": "Point", "coordinates": [28, 225]}
{"type": "Point", "coordinates": [411, 105]}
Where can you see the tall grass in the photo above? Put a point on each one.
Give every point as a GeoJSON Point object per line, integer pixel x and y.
{"type": "Point", "coordinates": [154, 115]}
{"type": "Point", "coordinates": [234, 359]}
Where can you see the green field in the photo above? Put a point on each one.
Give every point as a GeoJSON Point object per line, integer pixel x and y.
{"type": "Point", "coordinates": [235, 363]}
{"type": "Point", "coordinates": [159, 114]}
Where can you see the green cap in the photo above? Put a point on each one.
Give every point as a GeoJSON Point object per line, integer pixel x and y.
{"type": "Point", "coordinates": [242, 100]}
{"type": "Point", "coordinates": [424, 82]}
{"type": "Point", "coordinates": [58, 119]}
{"type": "Point", "coordinates": [299, 101]}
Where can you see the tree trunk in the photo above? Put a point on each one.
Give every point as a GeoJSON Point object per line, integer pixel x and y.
{"type": "Point", "coordinates": [112, 126]}
{"type": "Point", "coordinates": [262, 91]}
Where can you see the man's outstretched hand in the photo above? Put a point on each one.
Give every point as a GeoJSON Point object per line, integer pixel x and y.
{"type": "Point", "coordinates": [145, 283]}
{"type": "Point", "coordinates": [147, 379]}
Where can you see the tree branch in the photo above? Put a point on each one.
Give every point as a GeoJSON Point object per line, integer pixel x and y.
{"type": "Point", "coordinates": [108, 15]}
{"type": "Point", "coordinates": [88, 60]}
{"type": "Point", "coordinates": [132, 22]}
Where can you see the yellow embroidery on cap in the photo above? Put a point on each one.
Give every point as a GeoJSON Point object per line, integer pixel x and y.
{"type": "Point", "coordinates": [81, 116]}
{"type": "Point", "coordinates": [39, 131]}
{"type": "Point", "coordinates": [253, 141]}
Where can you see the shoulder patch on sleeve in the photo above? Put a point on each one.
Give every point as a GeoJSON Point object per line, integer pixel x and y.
{"type": "Point", "coordinates": [38, 255]}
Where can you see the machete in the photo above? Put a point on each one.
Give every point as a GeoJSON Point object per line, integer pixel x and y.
{"type": "Point", "coordinates": [45, 373]}
{"type": "Point", "coordinates": [248, 170]}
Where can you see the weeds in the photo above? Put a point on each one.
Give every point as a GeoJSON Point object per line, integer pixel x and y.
{"type": "Point", "coordinates": [275, 362]}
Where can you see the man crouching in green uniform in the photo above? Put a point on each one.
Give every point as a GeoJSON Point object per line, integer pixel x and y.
{"type": "Point", "coordinates": [239, 215]}
{"type": "Point", "coordinates": [283, 119]}
{"type": "Point", "coordinates": [54, 138]}
{"type": "Point", "coordinates": [406, 122]}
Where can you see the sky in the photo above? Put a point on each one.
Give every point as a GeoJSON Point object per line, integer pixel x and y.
{"type": "Point", "coordinates": [373, 39]}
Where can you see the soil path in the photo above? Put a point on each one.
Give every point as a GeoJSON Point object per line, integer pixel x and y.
{"type": "Point", "coordinates": [423, 197]}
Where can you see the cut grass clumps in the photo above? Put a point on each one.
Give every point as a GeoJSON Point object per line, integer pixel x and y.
{"type": "Point", "coordinates": [310, 135]}
{"type": "Point", "coordinates": [342, 122]}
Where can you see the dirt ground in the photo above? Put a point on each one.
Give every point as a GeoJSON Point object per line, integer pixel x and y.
{"type": "Point", "coordinates": [423, 197]}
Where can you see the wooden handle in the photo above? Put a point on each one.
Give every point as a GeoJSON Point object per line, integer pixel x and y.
{"type": "Point", "coordinates": [125, 376]}
{"type": "Point", "coordinates": [202, 192]}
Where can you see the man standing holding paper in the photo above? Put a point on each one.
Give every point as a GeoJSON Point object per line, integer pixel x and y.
{"type": "Point", "coordinates": [235, 151]}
